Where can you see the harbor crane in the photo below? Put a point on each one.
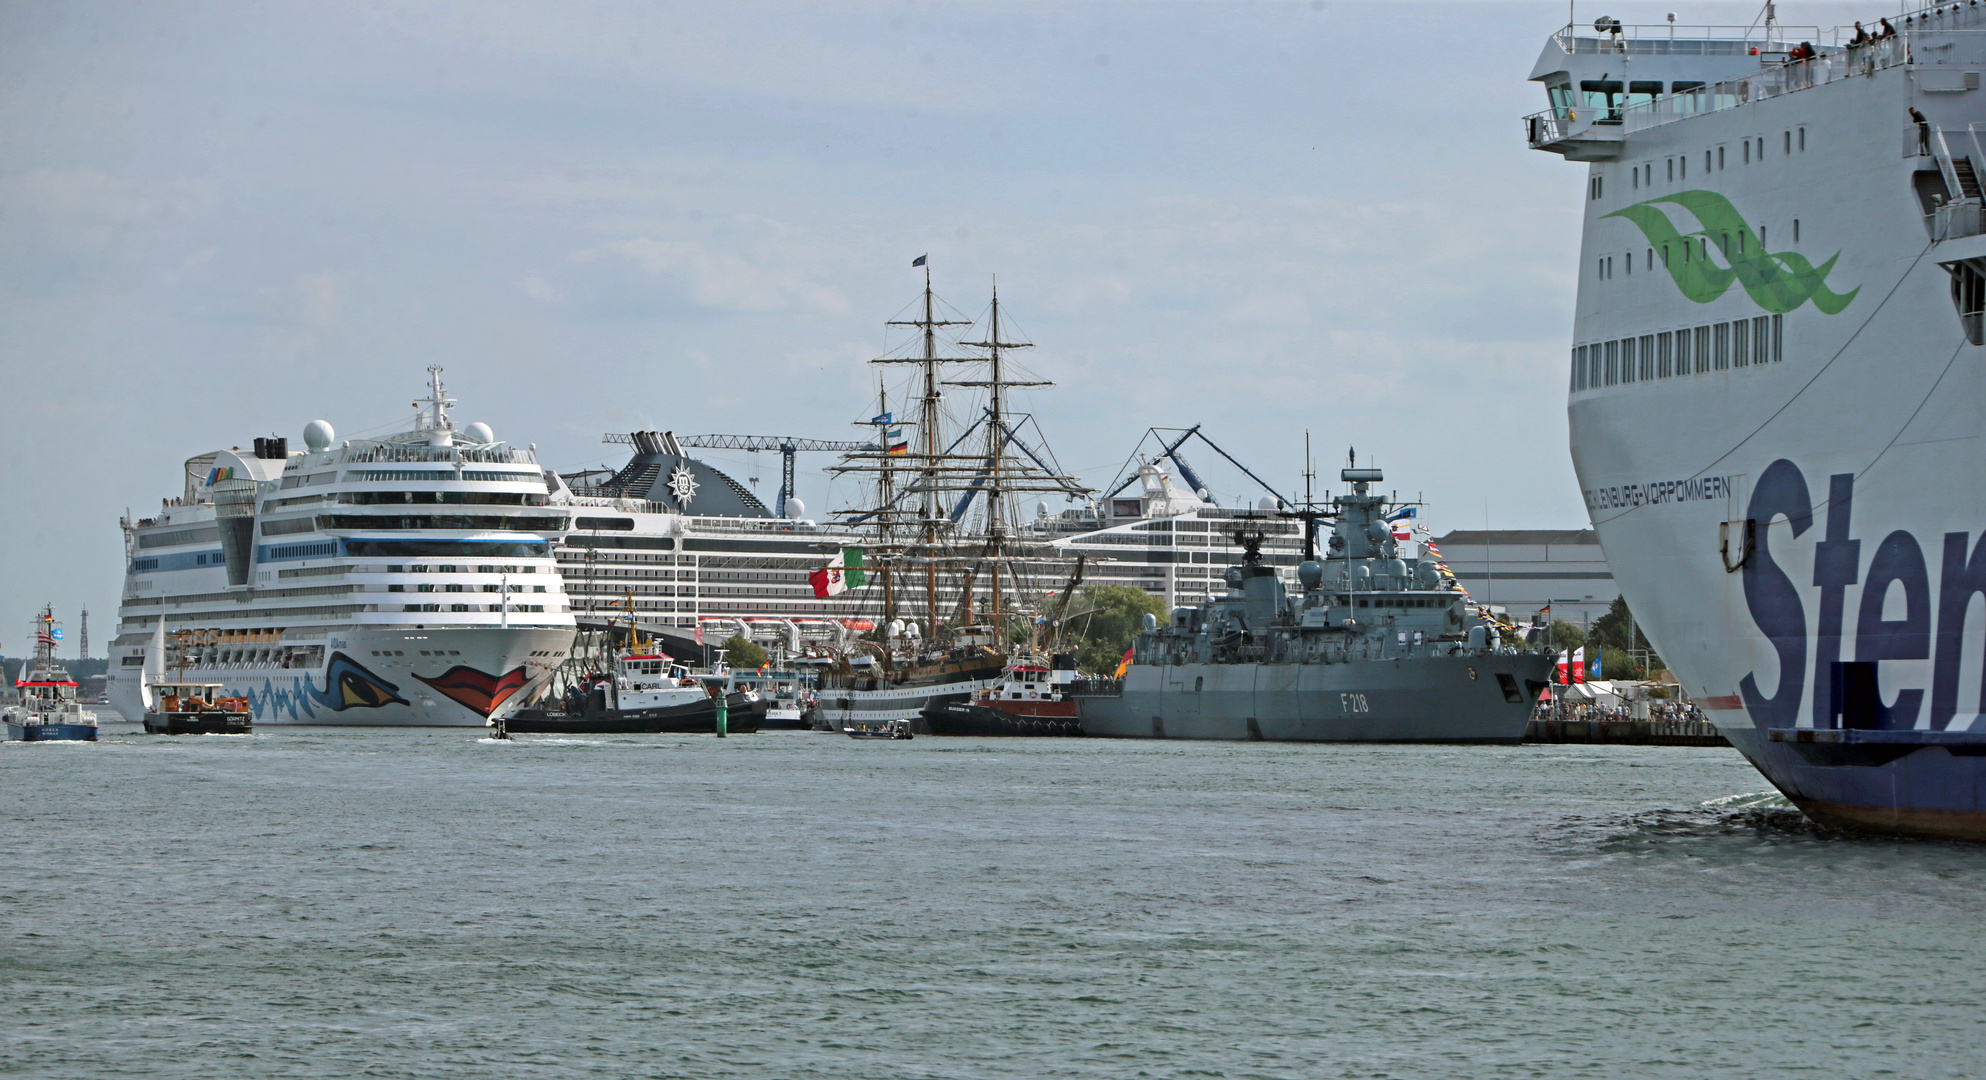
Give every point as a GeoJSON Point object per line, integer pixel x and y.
{"type": "Point", "coordinates": [787, 445]}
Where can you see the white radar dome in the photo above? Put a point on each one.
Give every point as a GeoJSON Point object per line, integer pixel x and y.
{"type": "Point", "coordinates": [318, 435]}
{"type": "Point", "coordinates": [1265, 503]}
{"type": "Point", "coordinates": [480, 432]}
{"type": "Point", "coordinates": [795, 509]}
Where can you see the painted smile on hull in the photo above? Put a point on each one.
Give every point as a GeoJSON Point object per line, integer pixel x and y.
{"type": "Point", "coordinates": [477, 691]}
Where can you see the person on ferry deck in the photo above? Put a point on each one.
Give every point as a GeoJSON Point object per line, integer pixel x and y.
{"type": "Point", "coordinates": [1923, 132]}
{"type": "Point", "coordinates": [1861, 37]}
{"type": "Point", "coordinates": [1887, 31]}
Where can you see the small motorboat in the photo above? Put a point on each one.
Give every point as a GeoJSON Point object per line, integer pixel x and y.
{"type": "Point", "coordinates": [892, 729]}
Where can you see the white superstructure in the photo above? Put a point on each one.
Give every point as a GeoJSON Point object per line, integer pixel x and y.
{"type": "Point", "coordinates": [400, 580]}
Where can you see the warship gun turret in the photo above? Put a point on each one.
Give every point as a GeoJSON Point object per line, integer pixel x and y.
{"type": "Point", "coordinates": [1374, 644]}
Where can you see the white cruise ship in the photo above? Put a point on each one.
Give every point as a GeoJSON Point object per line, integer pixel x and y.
{"type": "Point", "coordinates": [1775, 389]}
{"type": "Point", "coordinates": [697, 557]}
{"type": "Point", "coordinates": [406, 580]}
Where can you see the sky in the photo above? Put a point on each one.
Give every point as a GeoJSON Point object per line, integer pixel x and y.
{"type": "Point", "coordinates": [220, 221]}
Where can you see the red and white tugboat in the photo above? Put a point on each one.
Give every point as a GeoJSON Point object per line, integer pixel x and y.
{"type": "Point", "coordinates": [1032, 699]}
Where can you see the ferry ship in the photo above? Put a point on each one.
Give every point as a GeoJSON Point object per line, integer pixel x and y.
{"type": "Point", "coordinates": [1774, 386]}
{"type": "Point", "coordinates": [406, 580]}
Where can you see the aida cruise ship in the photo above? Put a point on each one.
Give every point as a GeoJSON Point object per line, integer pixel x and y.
{"type": "Point", "coordinates": [406, 580]}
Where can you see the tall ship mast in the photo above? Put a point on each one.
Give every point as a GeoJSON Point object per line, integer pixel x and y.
{"type": "Point", "coordinates": [403, 580]}
{"type": "Point", "coordinates": [1774, 386]}
{"type": "Point", "coordinates": [955, 576]}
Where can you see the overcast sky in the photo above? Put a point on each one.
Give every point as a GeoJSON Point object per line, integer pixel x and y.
{"type": "Point", "coordinates": [219, 221]}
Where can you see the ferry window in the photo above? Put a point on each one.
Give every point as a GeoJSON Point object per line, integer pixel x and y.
{"type": "Point", "coordinates": [1706, 161]}
{"type": "Point", "coordinates": [1796, 230]}
{"type": "Point", "coordinates": [1634, 178]}
{"type": "Point", "coordinates": [1789, 142]}
{"type": "Point", "coordinates": [1662, 355]}
{"type": "Point", "coordinates": [1627, 360]}
{"type": "Point", "coordinates": [1761, 148]}
{"type": "Point", "coordinates": [1651, 259]}
{"type": "Point", "coordinates": [1761, 339]}
{"type": "Point", "coordinates": [1672, 169]}
{"type": "Point", "coordinates": [1702, 349]}
{"type": "Point", "coordinates": [1720, 338]}
{"type": "Point", "coordinates": [1641, 92]}
{"type": "Point", "coordinates": [1613, 363]}
{"type": "Point", "coordinates": [396, 588]}
{"type": "Point", "coordinates": [395, 569]}
{"type": "Point", "coordinates": [1803, 140]}
{"type": "Point", "coordinates": [1720, 158]}
{"type": "Point", "coordinates": [1778, 328]}
{"type": "Point", "coordinates": [1684, 87]}
{"type": "Point", "coordinates": [458, 607]}
{"type": "Point", "coordinates": [424, 587]}
{"type": "Point", "coordinates": [1682, 168]}
{"type": "Point", "coordinates": [1630, 264]}
{"type": "Point", "coordinates": [1592, 366]}
{"type": "Point", "coordinates": [1748, 151]}
{"type": "Point", "coordinates": [1741, 343]}
{"type": "Point", "coordinates": [1647, 356]}
{"type": "Point", "coordinates": [1578, 362]}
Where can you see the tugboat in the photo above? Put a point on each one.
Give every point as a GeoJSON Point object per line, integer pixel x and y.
{"type": "Point", "coordinates": [196, 708]}
{"type": "Point", "coordinates": [1379, 645]}
{"type": "Point", "coordinates": [186, 706]}
{"type": "Point", "coordinates": [1032, 701]}
{"type": "Point", "coordinates": [646, 694]}
{"type": "Point", "coordinates": [46, 709]}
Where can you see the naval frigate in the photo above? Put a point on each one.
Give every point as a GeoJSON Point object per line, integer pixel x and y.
{"type": "Point", "coordinates": [1376, 645]}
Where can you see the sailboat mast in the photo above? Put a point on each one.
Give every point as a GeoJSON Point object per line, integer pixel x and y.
{"type": "Point", "coordinates": [885, 491]}
{"type": "Point", "coordinates": [996, 431]}
{"type": "Point", "coordinates": [927, 434]}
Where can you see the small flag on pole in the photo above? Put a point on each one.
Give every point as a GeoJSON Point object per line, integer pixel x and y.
{"type": "Point", "coordinates": [918, 261]}
{"type": "Point", "coordinates": [851, 568]}
{"type": "Point", "coordinates": [1124, 665]}
{"type": "Point", "coordinates": [894, 442]}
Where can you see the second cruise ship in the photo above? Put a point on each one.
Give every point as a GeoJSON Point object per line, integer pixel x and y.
{"type": "Point", "coordinates": [402, 580]}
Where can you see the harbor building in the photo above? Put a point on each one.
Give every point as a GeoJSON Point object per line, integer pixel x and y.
{"type": "Point", "coordinates": [1522, 570]}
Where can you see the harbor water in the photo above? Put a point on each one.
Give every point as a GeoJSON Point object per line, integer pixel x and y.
{"type": "Point", "coordinates": [426, 903]}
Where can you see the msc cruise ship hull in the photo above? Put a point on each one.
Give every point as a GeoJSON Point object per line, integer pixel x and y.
{"type": "Point", "coordinates": [1471, 699]}
{"type": "Point", "coordinates": [390, 676]}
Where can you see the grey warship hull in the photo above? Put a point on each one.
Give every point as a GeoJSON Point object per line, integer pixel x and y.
{"type": "Point", "coordinates": [1436, 699]}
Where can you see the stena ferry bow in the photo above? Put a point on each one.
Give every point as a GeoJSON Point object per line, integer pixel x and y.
{"type": "Point", "coordinates": [1775, 386]}
{"type": "Point", "coordinates": [406, 579]}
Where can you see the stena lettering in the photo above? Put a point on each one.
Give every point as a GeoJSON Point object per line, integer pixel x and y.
{"type": "Point", "coordinates": [1773, 601]}
{"type": "Point", "coordinates": [1896, 567]}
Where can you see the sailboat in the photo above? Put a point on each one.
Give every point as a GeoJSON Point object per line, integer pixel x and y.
{"type": "Point", "coordinates": [953, 576]}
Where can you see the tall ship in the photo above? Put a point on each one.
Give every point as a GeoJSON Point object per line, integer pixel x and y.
{"type": "Point", "coordinates": [1774, 386]}
{"type": "Point", "coordinates": [402, 580]}
{"type": "Point", "coordinates": [950, 574]}
{"type": "Point", "coordinates": [1375, 644]}
{"type": "Point", "coordinates": [45, 708]}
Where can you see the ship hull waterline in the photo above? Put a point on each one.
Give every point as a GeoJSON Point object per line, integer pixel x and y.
{"type": "Point", "coordinates": [1418, 700]}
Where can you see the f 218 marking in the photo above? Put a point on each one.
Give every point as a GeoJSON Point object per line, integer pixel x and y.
{"type": "Point", "coordinates": [1352, 703]}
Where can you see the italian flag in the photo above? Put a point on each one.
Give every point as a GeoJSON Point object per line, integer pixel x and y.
{"type": "Point", "coordinates": [835, 579]}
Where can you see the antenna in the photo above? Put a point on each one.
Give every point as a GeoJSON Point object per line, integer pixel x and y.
{"type": "Point", "coordinates": [83, 637]}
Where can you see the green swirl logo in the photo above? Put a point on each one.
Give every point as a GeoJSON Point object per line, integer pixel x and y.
{"type": "Point", "coordinates": [1777, 281]}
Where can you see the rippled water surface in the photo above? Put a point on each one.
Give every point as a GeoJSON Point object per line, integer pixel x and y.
{"type": "Point", "coordinates": [317, 903]}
